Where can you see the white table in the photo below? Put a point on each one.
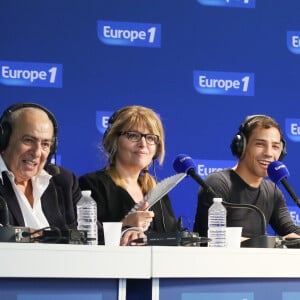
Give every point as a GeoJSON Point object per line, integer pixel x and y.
{"type": "Point", "coordinates": [200, 264]}
{"type": "Point", "coordinates": [163, 266]}
{"type": "Point", "coordinates": [34, 260]}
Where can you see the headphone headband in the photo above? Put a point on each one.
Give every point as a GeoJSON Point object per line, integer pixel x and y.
{"type": "Point", "coordinates": [110, 122]}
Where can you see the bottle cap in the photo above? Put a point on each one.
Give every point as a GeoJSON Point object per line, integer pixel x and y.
{"type": "Point", "coordinates": [219, 200]}
{"type": "Point", "coordinates": [86, 193]}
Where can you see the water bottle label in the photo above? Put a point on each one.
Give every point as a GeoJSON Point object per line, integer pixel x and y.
{"type": "Point", "coordinates": [218, 237]}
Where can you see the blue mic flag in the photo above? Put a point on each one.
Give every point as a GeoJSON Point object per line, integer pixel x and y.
{"type": "Point", "coordinates": [277, 171]}
{"type": "Point", "coordinates": [183, 163]}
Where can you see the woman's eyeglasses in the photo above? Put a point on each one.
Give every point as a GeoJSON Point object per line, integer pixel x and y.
{"type": "Point", "coordinates": [135, 136]}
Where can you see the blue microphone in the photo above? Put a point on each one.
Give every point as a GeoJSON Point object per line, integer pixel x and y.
{"type": "Point", "coordinates": [183, 163]}
{"type": "Point", "coordinates": [278, 172]}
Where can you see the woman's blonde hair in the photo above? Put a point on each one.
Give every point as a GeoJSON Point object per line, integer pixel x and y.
{"type": "Point", "coordinates": [123, 120]}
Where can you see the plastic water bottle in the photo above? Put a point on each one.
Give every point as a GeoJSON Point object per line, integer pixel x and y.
{"type": "Point", "coordinates": [217, 224]}
{"type": "Point", "coordinates": [87, 217]}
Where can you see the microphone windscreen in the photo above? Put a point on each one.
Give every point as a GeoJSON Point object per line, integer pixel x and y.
{"type": "Point", "coordinates": [183, 163]}
{"type": "Point", "coordinates": [277, 171]}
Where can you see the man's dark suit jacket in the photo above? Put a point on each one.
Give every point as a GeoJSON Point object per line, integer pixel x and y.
{"type": "Point", "coordinates": [58, 201]}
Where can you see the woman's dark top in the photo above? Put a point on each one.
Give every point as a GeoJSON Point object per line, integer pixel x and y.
{"type": "Point", "coordinates": [114, 202]}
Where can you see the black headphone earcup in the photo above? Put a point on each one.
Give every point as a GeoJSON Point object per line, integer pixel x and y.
{"type": "Point", "coordinates": [238, 145]}
{"type": "Point", "coordinates": [54, 146]}
{"type": "Point", "coordinates": [110, 122]}
{"type": "Point", "coordinates": [283, 151]}
{"type": "Point", "coordinates": [5, 131]}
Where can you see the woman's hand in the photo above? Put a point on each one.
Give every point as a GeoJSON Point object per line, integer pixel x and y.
{"type": "Point", "coordinates": [141, 218]}
{"type": "Point", "coordinates": [131, 235]}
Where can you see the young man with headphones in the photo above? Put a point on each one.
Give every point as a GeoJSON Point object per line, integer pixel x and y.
{"type": "Point", "coordinates": [258, 142]}
{"type": "Point", "coordinates": [37, 193]}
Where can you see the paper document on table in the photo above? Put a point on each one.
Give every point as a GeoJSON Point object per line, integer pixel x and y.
{"type": "Point", "coordinates": [160, 190]}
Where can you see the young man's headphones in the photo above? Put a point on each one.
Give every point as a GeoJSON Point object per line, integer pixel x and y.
{"type": "Point", "coordinates": [239, 141]}
{"type": "Point", "coordinates": [6, 128]}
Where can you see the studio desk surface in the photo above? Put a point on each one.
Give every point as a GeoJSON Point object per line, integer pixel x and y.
{"type": "Point", "coordinates": [73, 261]}
{"type": "Point", "coordinates": [144, 262]}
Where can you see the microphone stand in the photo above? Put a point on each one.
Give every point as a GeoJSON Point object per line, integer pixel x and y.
{"type": "Point", "coordinates": [10, 233]}
{"type": "Point", "coordinates": [290, 191]}
{"type": "Point", "coordinates": [261, 241]}
{"type": "Point", "coordinates": [250, 206]}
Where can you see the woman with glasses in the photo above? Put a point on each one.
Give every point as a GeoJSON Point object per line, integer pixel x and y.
{"type": "Point", "coordinates": [132, 142]}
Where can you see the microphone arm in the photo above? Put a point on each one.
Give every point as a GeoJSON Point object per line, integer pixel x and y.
{"type": "Point", "coordinates": [199, 180]}
{"type": "Point", "coordinates": [278, 172]}
{"type": "Point", "coordinates": [250, 206]}
{"type": "Point", "coordinates": [290, 191]}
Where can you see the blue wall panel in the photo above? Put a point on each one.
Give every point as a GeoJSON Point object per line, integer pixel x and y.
{"type": "Point", "coordinates": [228, 36]}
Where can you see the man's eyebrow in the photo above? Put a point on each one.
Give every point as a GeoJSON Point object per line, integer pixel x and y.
{"type": "Point", "coordinates": [264, 140]}
{"type": "Point", "coordinates": [36, 138]}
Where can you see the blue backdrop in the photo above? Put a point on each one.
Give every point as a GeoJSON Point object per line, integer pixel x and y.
{"type": "Point", "coordinates": [202, 65]}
